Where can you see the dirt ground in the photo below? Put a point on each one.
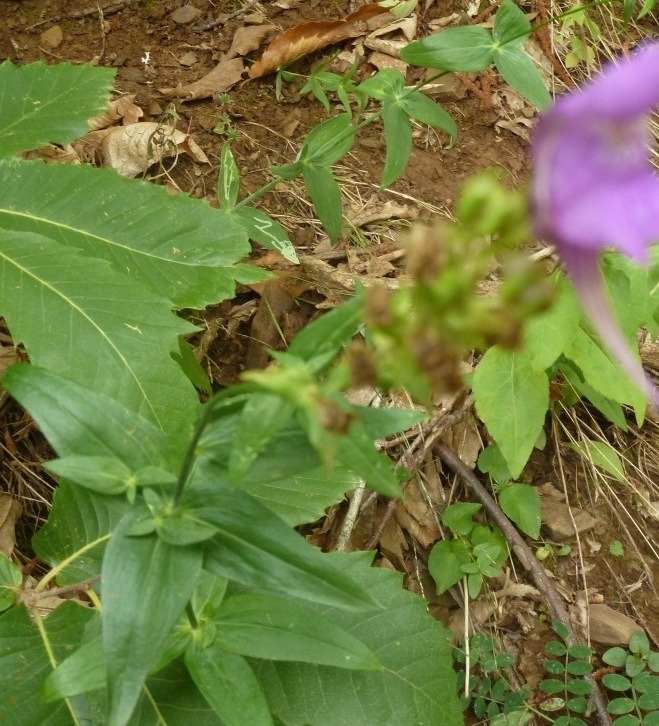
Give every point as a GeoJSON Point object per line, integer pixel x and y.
{"type": "Point", "coordinates": [153, 50]}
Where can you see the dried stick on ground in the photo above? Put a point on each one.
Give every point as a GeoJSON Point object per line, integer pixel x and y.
{"type": "Point", "coordinates": [525, 556]}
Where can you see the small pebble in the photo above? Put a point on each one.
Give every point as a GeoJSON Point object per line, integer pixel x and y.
{"type": "Point", "coordinates": [52, 38]}
{"type": "Point", "coordinates": [185, 14]}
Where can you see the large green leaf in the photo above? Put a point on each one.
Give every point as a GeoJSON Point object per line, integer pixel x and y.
{"type": "Point", "coordinates": [256, 548]}
{"type": "Point", "coordinates": [288, 477]}
{"type": "Point", "coordinates": [180, 247]}
{"type": "Point", "coordinates": [511, 399]}
{"type": "Point", "coordinates": [41, 104]}
{"type": "Point", "coordinates": [511, 26]}
{"type": "Point", "coordinates": [416, 688]}
{"type": "Point", "coordinates": [25, 662]}
{"type": "Point", "coordinates": [80, 318]}
{"type": "Point", "coordinates": [146, 584]}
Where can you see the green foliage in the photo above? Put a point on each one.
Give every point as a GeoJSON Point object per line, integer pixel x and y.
{"type": "Point", "coordinates": [637, 690]}
{"type": "Point", "coordinates": [490, 695]}
{"type": "Point", "coordinates": [566, 689]}
{"type": "Point", "coordinates": [159, 496]}
{"type": "Point", "coordinates": [476, 552]}
{"type": "Point", "coordinates": [469, 49]}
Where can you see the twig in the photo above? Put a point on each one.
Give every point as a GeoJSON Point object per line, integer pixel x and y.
{"type": "Point", "coordinates": [229, 16]}
{"type": "Point", "coordinates": [523, 551]}
{"type": "Point", "coordinates": [114, 7]}
{"type": "Point", "coordinates": [351, 517]}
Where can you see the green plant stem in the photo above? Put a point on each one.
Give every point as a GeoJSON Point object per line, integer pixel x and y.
{"type": "Point", "coordinates": [66, 562]}
{"type": "Point", "coordinates": [525, 556]}
{"type": "Point", "coordinates": [188, 461]}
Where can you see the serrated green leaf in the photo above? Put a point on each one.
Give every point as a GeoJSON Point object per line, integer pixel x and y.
{"type": "Point", "coordinates": [254, 547]}
{"type": "Point", "coordinates": [25, 662]}
{"type": "Point", "coordinates": [398, 137]}
{"type": "Point", "coordinates": [429, 112]}
{"type": "Point", "coordinates": [289, 478]}
{"type": "Point", "coordinates": [179, 247]}
{"type": "Point", "coordinates": [229, 685]}
{"type": "Point", "coordinates": [146, 584]}
{"type": "Point", "coordinates": [228, 183]}
{"type": "Point", "coordinates": [464, 49]}
{"type": "Point", "coordinates": [328, 142]}
{"type": "Point", "coordinates": [445, 563]}
{"type": "Point", "coordinates": [511, 26]}
{"type": "Point", "coordinates": [266, 231]}
{"type": "Point", "coordinates": [41, 104]}
{"type": "Point", "coordinates": [326, 197]}
{"type": "Point", "coordinates": [416, 688]}
{"type": "Point", "coordinates": [602, 455]}
{"type": "Point", "coordinates": [521, 73]}
{"type": "Point", "coordinates": [512, 400]}
{"type": "Point", "coordinates": [50, 292]}
{"type": "Point", "coordinates": [521, 503]}
{"type": "Point", "coordinates": [259, 626]}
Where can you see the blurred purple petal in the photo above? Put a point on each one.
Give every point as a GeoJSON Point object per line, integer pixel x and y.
{"type": "Point", "coordinates": [594, 186]}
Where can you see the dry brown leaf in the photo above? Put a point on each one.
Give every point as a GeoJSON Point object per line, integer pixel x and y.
{"type": "Point", "coordinates": [131, 150]}
{"type": "Point", "coordinates": [121, 109]}
{"type": "Point", "coordinates": [305, 38]}
{"type": "Point", "coordinates": [224, 76]}
{"type": "Point", "coordinates": [53, 154]}
{"type": "Point", "coordinates": [10, 511]}
{"type": "Point", "coordinates": [247, 39]}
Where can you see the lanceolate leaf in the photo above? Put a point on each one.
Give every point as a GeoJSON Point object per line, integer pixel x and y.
{"type": "Point", "coordinates": [180, 247]}
{"type": "Point", "coordinates": [398, 136]}
{"type": "Point", "coordinates": [511, 26]}
{"type": "Point", "coordinates": [229, 685]}
{"type": "Point", "coordinates": [521, 73]}
{"type": "Point", "coordinates": [25, 662]}
{"type": "Point", "coordinates": [41, 104]}
{"type": "Point", "coordinates": [276, 629]}
{"type": "Point", "coordinates": [266, 231]}
{"type": "Point", "coordinates": [326, 197]}
{"type": "Point", "coordinates": [415, 688]}
{"type": "Point", "coordinates": [255, 547]}
{"type": "Point", "coordinates": [328, 142]}
{"type": "Point", "coordinates": [75, 419]}
{"type": "Point", "coordinates": [146, 584]}
{"type": "Point", "coordinates": [426, 111]}
{"type": "Point", "coordinates": [112, 335]}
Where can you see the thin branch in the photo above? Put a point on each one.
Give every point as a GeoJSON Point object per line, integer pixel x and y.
{"type": "Point", "coordinates": [523, 551]}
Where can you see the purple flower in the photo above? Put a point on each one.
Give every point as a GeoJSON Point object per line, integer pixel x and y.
{"type": "Point", "coordinates": [594, 186]}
